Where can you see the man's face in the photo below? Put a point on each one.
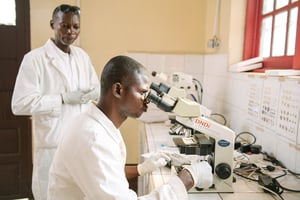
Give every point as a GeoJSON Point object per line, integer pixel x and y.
{"type": "Point", "coordinates": [66, 28]}
{"type": "Point", "coordinates": [134, 102]}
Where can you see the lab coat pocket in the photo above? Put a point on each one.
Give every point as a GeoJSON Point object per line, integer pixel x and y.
{"type": "Point", "coordinates": [47, 130]}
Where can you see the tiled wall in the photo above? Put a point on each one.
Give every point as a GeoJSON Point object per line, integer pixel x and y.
{"type": "Point", "coordinates": [268, 107]}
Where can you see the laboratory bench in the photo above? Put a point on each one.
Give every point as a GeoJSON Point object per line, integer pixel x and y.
{"type": "Point", "coordinates": [155, 136]}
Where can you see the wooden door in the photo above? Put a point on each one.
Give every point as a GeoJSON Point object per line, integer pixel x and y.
{"type": "Point", "coordinates": [15, 132]}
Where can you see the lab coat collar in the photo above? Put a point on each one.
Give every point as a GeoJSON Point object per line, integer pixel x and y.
{"type": "Point", "coordinates": [100, 117]}
{"type": "Point", "coordinates": [51, 51]}
{"type": "Point", "coordinates": [79, 58]}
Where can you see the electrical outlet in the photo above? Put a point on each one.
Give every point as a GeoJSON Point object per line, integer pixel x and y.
{"type": "Point", "coordinates": [213, 43]}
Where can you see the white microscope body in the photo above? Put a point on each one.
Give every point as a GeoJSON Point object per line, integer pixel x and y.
{"type": "Point", "coordinates": [182, 85]}
{"type": "Point", "coordinates": [188, 114]}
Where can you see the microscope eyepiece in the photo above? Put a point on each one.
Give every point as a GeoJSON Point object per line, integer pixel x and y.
{"type": "Point", "coordinates": [155, 87]}
{"type": "Point", "coordinates": [164, 102]}
{"type": "Point", "coordinates": [161, 88]}
{"type": "Point", "coordinates": [153, 98]}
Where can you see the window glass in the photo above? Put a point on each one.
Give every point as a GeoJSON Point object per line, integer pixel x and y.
{"type": "Point", "coordinates": [292, 31]}
{"type": "Point", "coordinates": [7, 12]}
{"type": "Point", "coordinates": [274, 35]}
{"type": "Point", "coordinates": [268, 6]}
{"type": "Point", "coordinates": [281, 3]}
{"type": "Point", "coordinates": [265, 38]}
{"type": "Point", "coordinates": [278, 47]}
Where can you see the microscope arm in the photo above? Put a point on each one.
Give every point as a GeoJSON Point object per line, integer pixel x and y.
{"type": "Point", "coordinates": [208, 127]}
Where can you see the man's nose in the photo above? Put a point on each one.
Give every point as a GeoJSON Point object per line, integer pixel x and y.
{"type": "Point", "coordinates": [71, 30]}
{"type": "Point", "coordinates": [146, 101]}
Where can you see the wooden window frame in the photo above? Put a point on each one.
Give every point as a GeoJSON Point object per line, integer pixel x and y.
{"type": "Point", "coordinates": [252, 38]}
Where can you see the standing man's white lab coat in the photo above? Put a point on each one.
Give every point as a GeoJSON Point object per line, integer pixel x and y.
{"type": "Point", "coordinates": [46, 73]}
{"type": "Point", "coordinates": [89, 164]}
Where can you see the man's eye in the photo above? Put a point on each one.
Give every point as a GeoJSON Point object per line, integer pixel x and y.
{"type": "Point", "coordinates": [64, 25]}
{"type": "Point", "coordinates": [76, 27]}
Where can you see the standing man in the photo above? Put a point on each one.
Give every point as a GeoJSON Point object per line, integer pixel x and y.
{"type": "Point", "coordinates": [55, 82]}
{"type": "Point", "coordinates": [90, 160]}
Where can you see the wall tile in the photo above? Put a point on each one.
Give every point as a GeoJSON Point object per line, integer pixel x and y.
{"type": "Point", "coordinates": [156, 62]}
{"type": "Point", "coordinates": [193, 64]}
{"type": "Point", "coordinates": [174, 63]}
{"type": "Point", "coordinates": [297, 170]}
{"type": "Point", "coordinates": [140, 57]}
{"type": "Point", "coordinates": [287, 153]}
{"type": "Point", "coordinates": [236, 92]}
{"type": "Point", "coordinates": [215, 64]}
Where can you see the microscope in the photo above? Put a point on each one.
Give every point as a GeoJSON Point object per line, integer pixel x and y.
{"type": "Point", "coordinates": [206, 138]}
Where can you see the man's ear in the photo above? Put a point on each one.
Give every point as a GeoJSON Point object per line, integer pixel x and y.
{"type": "Point", "coordinates": [51, 24]}
{"type": "Point", "coordinates": [117, 89]}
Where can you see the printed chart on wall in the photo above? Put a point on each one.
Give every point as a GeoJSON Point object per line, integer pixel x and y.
{"type": "Point", "coordinates": [269, 103]}
{"type": "Point", "coordinates": [276, 105]}
{"type": "Point", "coordinates": [254, 98]}
{"type": "Point", "coordinates": [288, 110]}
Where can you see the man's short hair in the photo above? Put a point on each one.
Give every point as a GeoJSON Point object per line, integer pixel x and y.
{"type": "Point", "coordinates": [65, 8]}
{"type": "Point", "coordinates": [120, 69]}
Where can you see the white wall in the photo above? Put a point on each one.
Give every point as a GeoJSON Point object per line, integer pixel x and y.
{"type": "Point", "coordinates": [268, 107]}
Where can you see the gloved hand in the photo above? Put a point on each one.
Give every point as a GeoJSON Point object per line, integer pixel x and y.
{"type": "Point", "coordinates": [201, 173]}
{"type": "Point", "coordinates": [155, 161]}
{"type": "Point", "coordinates": [92, 94]}
{"type": "Point", "coordinates": [72, 97]}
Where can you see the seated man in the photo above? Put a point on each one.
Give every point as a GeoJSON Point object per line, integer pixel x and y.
{"type": "Point", "coordinates": [90, 160]}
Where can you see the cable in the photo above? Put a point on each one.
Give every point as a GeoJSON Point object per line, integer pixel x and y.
{"type": "Point", "coordinates": [222, 116]}
{"type": "Point", "coordinates": [246, 144]}
{"type": "Point", "coordinates": [294, 173]}
{"type": "Point", "coordinates": [273, 160]}
{"type": "Point", "coordinates": [200, 95]}
{"type": "Point", "coordinates": [271, 191]}
{"type": "Point", "coordinates": [284, 174]}
{"type": "Point", "coordinates": [265, 188]}
{"type": "Point", "coordinates": [254, 172]}
{"type": "Point", "coordinates": [193, 97]}
{"type": "Point", "coordinates": [245, 133]}
{"type": "Point", "coordinates": [281, 186]}
{"type": "Point", "coordinates": [276, 162]}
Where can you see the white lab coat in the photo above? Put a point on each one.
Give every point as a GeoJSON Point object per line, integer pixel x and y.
{"type": "Point", "coordinates": [37, 92]}
{"type": "Point", "coordinates": [89, 164]}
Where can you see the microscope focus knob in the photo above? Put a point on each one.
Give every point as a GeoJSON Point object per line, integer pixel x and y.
{"type": "Point", "coordinates": [223, 170]}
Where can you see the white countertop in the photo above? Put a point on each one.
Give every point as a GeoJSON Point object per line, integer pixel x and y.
{"type": "Point", "coordinates": [158, 138]}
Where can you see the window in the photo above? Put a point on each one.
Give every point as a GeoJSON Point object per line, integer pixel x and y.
{"type": "Point", "coordinates": [7, 12]}
{"type": "Point", "coordinates": [273, 32]}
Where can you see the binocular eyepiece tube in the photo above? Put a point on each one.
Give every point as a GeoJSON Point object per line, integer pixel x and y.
{"type": "Point", "coordinates": [161, 88]}
{"type": "Point", "coordinates": [162, 101]}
